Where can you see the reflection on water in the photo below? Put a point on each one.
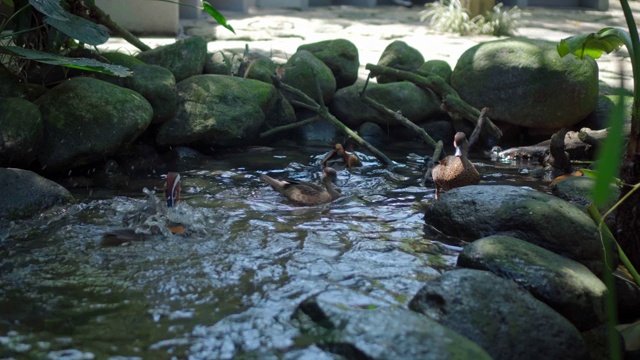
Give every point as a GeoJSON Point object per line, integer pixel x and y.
{"type": "Point", "coordinates": [229, 285]}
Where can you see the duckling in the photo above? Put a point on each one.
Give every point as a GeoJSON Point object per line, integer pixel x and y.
{"type": "Point", "coordinates": [455, 170]}
{"type": "Point", "coordinates": [305, 193]}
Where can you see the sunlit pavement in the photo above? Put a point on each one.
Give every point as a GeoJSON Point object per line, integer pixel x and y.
{"type": "Point", "coordinates": [279, 32]}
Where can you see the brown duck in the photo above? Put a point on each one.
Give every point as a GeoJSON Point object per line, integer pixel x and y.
{"type": "Point", "coordinates": [305, 193]}
{"type": "Point", "coordinates": [338, 156]}
{"type": "Point", "coordinates": [455, 170]}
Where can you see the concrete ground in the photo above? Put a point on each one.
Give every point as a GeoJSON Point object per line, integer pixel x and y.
{"type": "Point", "coordinates": [279, 32]}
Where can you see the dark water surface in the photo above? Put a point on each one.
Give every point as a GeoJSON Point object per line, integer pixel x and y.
{"type": "Point", "coordinates": [229, 285]}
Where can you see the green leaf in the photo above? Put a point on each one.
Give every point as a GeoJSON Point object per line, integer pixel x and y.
{"type": "Point", "coordinates": [9, 2]}
{"type": "Point", "coordinates": [217, 16]}
{"type": "Point", "coordinates": [610, 154]}
{"type": "Point", "coordinates": [594, 44]}
{"type": "Point", "coordinates": [80, 29]}
{"type": "Point", "coordinates": [51, 8]}
{"type": "Point", "coordinates": [75, 63]}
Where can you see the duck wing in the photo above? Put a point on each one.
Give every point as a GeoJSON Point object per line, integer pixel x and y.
{"type": "Point", "coordinates": [283, 184]}
{"type": "Point", "coordinates": [300, 192]}
{"type": "Point", "coordinates": [308, 194]}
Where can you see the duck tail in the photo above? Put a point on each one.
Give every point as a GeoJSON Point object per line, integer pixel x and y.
{"type": "Point", "coordinates": [275, 184]}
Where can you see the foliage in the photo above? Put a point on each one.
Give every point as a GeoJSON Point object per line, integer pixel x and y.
{"type": "Point", "coordinates": [47, 31]}
{"type": "Point", "coordinates": [451, 16]}
{"type": "Point", "coordinates": [610, 158]}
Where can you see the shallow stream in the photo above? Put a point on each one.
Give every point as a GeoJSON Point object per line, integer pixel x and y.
{"type": "Point", "coordinates": [228, 286]}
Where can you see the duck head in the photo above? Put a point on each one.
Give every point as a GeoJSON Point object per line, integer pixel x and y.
{"type": "Point", "coordinates": [172, 189]}
{"type": "Point", "coordinates": [461, 144]}
{"type": "Point", "coordinates": [329, 174]}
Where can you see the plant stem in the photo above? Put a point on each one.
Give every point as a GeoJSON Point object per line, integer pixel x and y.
{"type": "Point", "coordinates": [289, 126]}
{"type": "Point", "coordinates": [610, 302]}
{"type": "Point", "coordinates": [449, 95]}
{"type": "Point", "coordinates": [397, 115]}
{"type": "Point", "coordinates": [632, 149]}
{"type": "Point", "coordinates": [324, 113]}
{"type": "Point", "coordinates": [104, 19]}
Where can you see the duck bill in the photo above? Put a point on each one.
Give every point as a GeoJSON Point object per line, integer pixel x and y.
{"type": "Point", "coordinates": [172, 189]}
{"type": "Point", "coordinates": [458, 151]}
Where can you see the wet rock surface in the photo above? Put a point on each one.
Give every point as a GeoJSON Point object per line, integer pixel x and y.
{"type": "Point", "coordinates": [500, 316]}
{"type": "Point", "coordinates": [473, 212]}
{"type": "Point", "coordinates": [355, 326]}
{"type": "Point", "coordinates": [563, 284]}
{"type": "Point", "coordinates": [27, 194]}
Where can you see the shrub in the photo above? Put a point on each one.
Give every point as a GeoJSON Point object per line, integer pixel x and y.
{"type": "Point", "coordinates": [451, 16]}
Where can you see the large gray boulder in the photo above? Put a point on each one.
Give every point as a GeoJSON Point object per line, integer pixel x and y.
{"type": "Point", "coordinates": [507, 321]}
{"type": "Point", "coordinates": [97, 120]}
{"type": "Point", "coordinates": [158, 86]}
{"type": "Point", "coordinates": [525, 82]}
{"type": "Point", "coordinates": [219, 110]}
{"type": "Point", "coordinates": [355, 326]}
{"type": "Point", "coordinates": [25, 193]}
{"type": "Point", "coordinates": [565, 285]}
{"type": "Point", "coordinates": [476, 211]}
{"type": "Point", "coordinates": [414, 103]}
{"type": "Point", "coordinates": [340, 55]}
{"type": "Point", "coordinates": [184, 58]}
{"type": "Point", "coordinates": [20, 132]}
{"type": "Point", "coordinates": [401, 56]}
{"type": "Point", "coordinates": [305, 72]}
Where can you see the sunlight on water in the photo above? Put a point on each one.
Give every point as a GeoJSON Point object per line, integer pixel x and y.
{"type": "Point", "coordinates": [230, 282]}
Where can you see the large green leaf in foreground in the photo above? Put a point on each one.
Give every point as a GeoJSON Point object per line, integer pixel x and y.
{"type": "Point", "coordinates": [594, 44]}
{"type": "Point", "coordinates": [80, 29]}
{"type": "Point", "coordinates": [75, 63]}
{"type": "Point", "coordinates": [51, 8]}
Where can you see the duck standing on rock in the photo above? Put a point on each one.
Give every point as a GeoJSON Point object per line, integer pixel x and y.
{"type": "Point", "coordinates": [305, 193]}
{"type": "Point", "coordinates": [455, 170]}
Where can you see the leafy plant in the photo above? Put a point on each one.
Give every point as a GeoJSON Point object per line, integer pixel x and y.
{"type": "Point", "coordinates": [451, 16]}
{"type": "Point", "coordinates": [47, 31]}
{"type": "Point", "coordinates": [611, 161]}
{"type": "Point", "coordinates": [500, 23]}
{"type": "Point", "coordinates": [610, 158]}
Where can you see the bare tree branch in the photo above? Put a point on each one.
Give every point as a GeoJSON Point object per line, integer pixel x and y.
{"type": "Point", "coordinates": [324, 113]}
{"type": "Point", "coordinates": [450, 98]}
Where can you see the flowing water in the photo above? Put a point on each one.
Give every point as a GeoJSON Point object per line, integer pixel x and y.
{"type": "Point", "coordinates": [228, 286]}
